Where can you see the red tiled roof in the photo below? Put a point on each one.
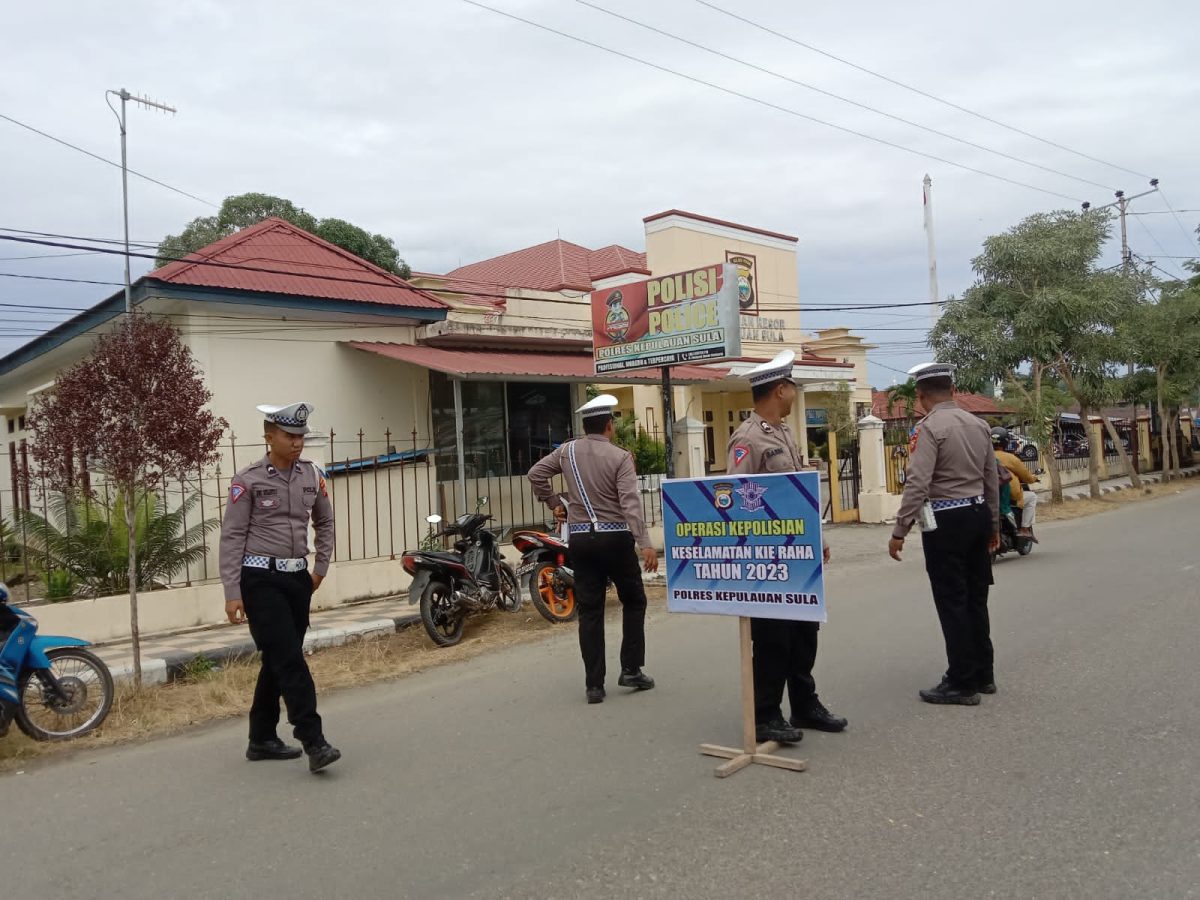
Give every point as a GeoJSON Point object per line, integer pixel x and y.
{"type": "Point", "coordinates": [297, 263]}
{"type": "Point", "coordinates": [553, 266]}
{"type": "Point", "coordinates": [531, 364]}
{"type": "Point", "coordinates": [712, 221]}
{"type": "Point", "coordinates": [472, 293]}
{"type": "Point", "coordinates": [978, 404]}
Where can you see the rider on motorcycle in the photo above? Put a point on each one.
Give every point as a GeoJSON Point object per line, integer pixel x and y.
{"type": "Point", "coordinates": [1023, 497]}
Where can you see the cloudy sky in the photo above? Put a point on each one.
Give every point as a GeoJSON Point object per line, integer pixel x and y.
{"type": "Point", "coordinates": [463, 134]}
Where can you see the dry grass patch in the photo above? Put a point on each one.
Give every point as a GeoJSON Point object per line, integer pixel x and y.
{"type": "Point", "coordinates": [224, 693]}
{"type": "Point", "coordinates": [1075, 509]}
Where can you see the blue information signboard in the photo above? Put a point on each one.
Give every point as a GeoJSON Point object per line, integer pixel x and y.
{"type": "Point", "coordinates": [745, 546]}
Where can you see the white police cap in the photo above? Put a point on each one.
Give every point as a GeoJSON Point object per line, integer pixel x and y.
{"type": "Point", "coordinates": [601, 406]}
{"type": "Point", "coordinates": [775, 370]}
{"type": "Point", "coordinates": [292, 418]}
{"type": "Point", "coordinates": [931, 370]}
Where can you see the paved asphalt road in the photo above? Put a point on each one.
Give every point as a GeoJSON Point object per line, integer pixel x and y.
{"type": "Point", "coordinates": [1081, 778]}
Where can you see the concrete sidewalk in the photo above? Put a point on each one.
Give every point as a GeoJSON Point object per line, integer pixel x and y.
{"type": "Point", "coordinates": [1111, 485]}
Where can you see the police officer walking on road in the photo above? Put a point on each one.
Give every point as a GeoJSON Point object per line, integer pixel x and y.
{"type": "Point", "coordinates": [605, 520]}
{"type": "Point", "coordinates": [952, 487]}
{"type": "Point", "coordinates": [784, 650]}
{"type": "Point", "coordinates": [264, 567]}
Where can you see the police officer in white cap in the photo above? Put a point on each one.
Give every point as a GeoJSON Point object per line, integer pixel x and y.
{"type": "Point", "coordinates": [264, 567]}
{"type": "Point", "coordinates": [605, 520]}
{"type": "Point", "coordinates": [952, 484]}
{"type": "Point", "coordinates": [784, 650]}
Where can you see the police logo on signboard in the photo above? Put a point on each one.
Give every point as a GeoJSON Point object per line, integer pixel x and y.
{"type": "Point", "coordinates": [751, 493]}
{"type": "Point", "coordinates": [747, 276]}
{"type": "Point", "coordinates": [616, 323]}
{"type": "Point", "coordinates": [723, 495]}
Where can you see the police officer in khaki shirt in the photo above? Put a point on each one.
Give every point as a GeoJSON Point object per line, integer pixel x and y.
{"type": "Point", "coordinates": [784, 650]}
{"type": "Point", "coordinates": [605, 521]}
{"type": "Point", "coordinates": [264, 567]}
{"type": "Point", "coordinates": [951, 465]}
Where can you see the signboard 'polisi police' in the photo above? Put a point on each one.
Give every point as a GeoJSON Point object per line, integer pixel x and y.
{"type": "Point", "coordinates": [689, 317]}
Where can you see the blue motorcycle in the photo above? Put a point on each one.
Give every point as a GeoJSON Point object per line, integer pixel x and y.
{"type": "Point", "coordinates": [54, 688]}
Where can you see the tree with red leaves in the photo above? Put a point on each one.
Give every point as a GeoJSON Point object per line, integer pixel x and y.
{"type": "Point", "coordinates": [136, 411]}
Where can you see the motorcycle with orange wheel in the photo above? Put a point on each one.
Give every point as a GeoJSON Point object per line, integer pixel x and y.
{"type": "Point", "coordinates": [546, 564]}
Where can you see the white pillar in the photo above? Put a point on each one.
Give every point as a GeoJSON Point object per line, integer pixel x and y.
{"type": "Point", "coordinates": [875, 504]}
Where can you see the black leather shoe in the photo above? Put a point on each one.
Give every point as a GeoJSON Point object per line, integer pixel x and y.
{"type": "Point", "coordinates": [272, 749]}
{"type": "Point", "coordinates": [635, 678]}
{"type": "Point", "coordinates": [987, 687]}
{"type": "Point", "coordinates": [819, 718]}
{"type": "Point", "coordinates": [321, 755]}
{"type": "Point", "coordinates": [595, 695]}
{"type": "Point", "coordinates": [778, 730]}
{"type": "Point", "coordinates": [945, 693]}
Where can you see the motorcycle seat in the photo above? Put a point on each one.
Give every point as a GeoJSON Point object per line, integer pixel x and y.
{"type": "Point", "coordinates": [447, 555]}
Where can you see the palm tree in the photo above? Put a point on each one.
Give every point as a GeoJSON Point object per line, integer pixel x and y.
{"type": "Point", "coordinates": [904, 393]}
{"type": "Point", "coordinates": [87, 538]}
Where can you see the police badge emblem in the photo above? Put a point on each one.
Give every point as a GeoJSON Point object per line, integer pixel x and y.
{"type": "Point", "coordinates": [751, 493]}
{"type": "Point", "coordinates": [723, 495]}
{"type": "Point", "coordinates": [616, 323]}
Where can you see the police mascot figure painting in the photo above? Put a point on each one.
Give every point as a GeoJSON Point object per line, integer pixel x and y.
{"type": "Point", "coordinates": [268, 584]}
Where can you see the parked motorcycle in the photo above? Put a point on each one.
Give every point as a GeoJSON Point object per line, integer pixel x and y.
{"type": "Point", "coordinates": [546, 566]}
{"type": "Point", "coordinates": [53, 687]}
{"type": "Point", "coordinates": [1011, 539]}
{"type": "Point", "coordinates": [470, 579]}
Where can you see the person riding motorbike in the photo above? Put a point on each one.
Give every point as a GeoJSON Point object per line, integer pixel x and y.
{"type": "Point", "coordinates": [1024, 500]}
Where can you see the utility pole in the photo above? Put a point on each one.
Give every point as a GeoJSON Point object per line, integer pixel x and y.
{"type": "Point", "coordinates": [927, 199]}
{"type": "Point", "coordinates": [125, 97]}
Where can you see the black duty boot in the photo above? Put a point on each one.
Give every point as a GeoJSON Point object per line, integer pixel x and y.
{"type": "Point", "coordinates": [986, 685]}
{"type": "Point", "coordinates": [778, 730]}
{"type": "Point", "coordinates": [819, 718]}
{"type": "Point", "coordinates": [272, 749]}
{"type": "Point", "coordinates": [946, 693]}
{"type": "Point", "coordinates": [321, 755]}
{"type": "Point", "coordinates": [595, 695]}
{"type": "Point", "coordinates": [635, 678]}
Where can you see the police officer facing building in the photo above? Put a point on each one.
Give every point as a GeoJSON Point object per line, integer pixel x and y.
{"type": "Point", "coordinates": [784, 650]}
{"type": "Point", "coordinates": [605, 521]}
{"type": "Point", "coordinates": [951, 467]}
{"type": "Point", "coordinates": [264, 567]}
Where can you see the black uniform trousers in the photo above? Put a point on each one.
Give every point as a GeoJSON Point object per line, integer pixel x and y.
{"type": "Point", "coordinates": [784, 654]}
{"type": "Point", "coordinates": [960, 573]}
{"type": "Point", "coordinates": [277, 605]}
{"type": "Point", "coordinates": [597, 557]}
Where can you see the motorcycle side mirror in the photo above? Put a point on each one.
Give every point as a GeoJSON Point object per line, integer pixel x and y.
{"type": "Point", "coordinates": [433, 519]}
{"type": "Point", "coordinates": [481, 502]}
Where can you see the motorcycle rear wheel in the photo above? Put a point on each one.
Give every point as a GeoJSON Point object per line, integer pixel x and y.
{"type": "Point", "coordinates": [443, 621]}
{"type": "Point", "coordinates": [555, 602]}
{"type": "Point", "coordinates": [88, 686]}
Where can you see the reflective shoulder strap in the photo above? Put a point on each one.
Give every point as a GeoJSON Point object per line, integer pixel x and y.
{"type": "Point", "coordinates": [587, 503]}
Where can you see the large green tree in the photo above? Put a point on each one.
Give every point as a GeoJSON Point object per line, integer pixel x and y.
{"type": "Point", "coordinates": [243, 210]}
{"type": "Point", "coordinates": [1041, 303]}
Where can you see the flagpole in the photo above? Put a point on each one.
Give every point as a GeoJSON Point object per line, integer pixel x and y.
{"type": "Point", "coordinates": [927, 200]}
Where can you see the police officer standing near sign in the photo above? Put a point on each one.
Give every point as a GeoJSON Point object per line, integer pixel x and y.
{"type": "Point", "coordinates": [784, 650]}
{"type": "Point", "coordinates": [264, 567]}
{"type": "Point", "coordinates": [604, 517]}
{"type": "Point", "coordinates": [952, 488]}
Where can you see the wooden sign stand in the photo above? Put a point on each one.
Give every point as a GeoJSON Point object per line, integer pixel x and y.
{"type": "Point", "coordinates": [751, 751]}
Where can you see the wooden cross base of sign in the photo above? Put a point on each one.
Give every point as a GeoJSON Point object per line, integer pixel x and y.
{"type": "Point", "coordinates": [751, 751]}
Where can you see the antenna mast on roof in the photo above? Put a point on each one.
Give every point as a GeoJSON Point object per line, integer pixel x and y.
{"type": "Point", "coordinates": [125, 97]}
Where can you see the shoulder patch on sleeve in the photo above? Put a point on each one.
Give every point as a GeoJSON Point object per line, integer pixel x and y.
{"type": "Point", "coordinates": [740, 452]}
{"type": "Point", "coordinates": [912, 438]}
{"type": "Point", "coordinates": [236, 491]}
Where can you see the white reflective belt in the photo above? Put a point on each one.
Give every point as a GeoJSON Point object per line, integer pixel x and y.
{"type": "Point", "coordinates": [587, 504]}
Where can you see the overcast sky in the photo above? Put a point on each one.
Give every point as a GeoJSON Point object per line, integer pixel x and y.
{"type": "Point", "coordinates": [462, 134]}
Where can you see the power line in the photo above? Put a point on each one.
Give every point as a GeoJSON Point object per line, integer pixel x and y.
{"type": "Point", "coordinates": [839, 97]}
{"type": "Point", "coordinates": [1159, 245]}
{"type": "Point", "coordinates": [53, 278]}
{"type": "Point", "coordinates": [102, 159]}
{"type": "Point", "coordinates": [915, 90]}
{"type": "Point", "coordinates": [761, 102]}
{"type": "Point", "coordinates": [1162, 212]}
{"type": "Point", "coordinates": [1190, 238]}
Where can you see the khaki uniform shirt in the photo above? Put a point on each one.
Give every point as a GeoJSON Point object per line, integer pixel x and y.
{"type": "Point", "coordinates": [268, 515]}
{"type": "Point", "coordinates": [602, 484]}
{"type": "Point", "coordinates": [759, 448]}
{"type": "Point", "coordinates": [1021, 475]}
{"type": "Point", "coordinates": [950, 458]}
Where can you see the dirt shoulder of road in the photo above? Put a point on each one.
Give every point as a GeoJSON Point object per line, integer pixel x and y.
{"type": "Point", "coordinates": [1075, 509]}
{"type": "Point", "coordinates": [212, 694]}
